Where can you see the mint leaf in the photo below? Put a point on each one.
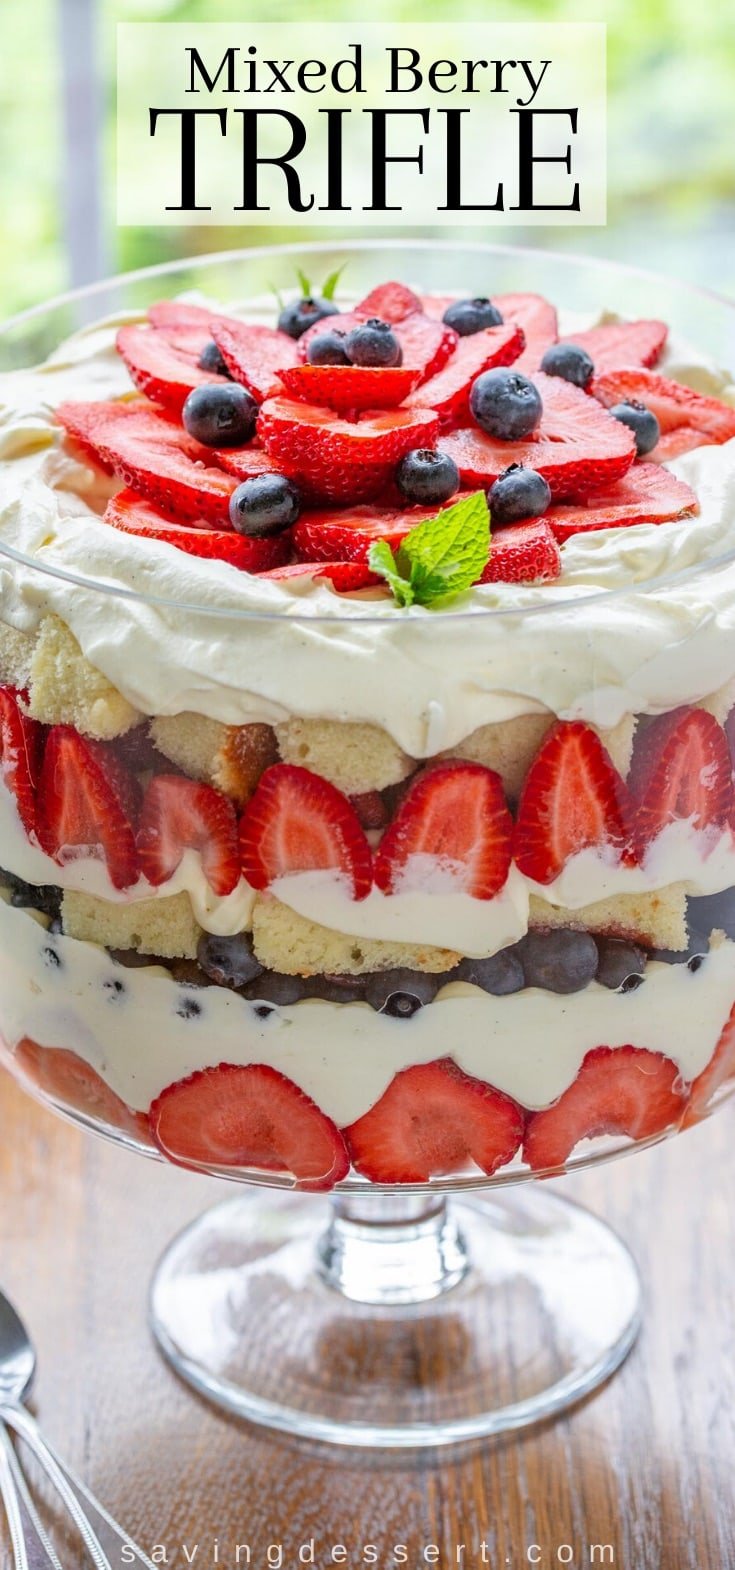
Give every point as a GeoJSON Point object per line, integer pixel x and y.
{"type": "Point", "coordinates": [329, 288]}
{"type": "Point", "coordinates": [304, 284]}
{"type": "Point", "coordinates": [277, 294]}
{"type": "Point", "coordinates": [382, 561]}
{"type": "Point", "coordinates": [441, 557]}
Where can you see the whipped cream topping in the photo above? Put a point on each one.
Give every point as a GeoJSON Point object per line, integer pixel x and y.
{"type": "Point", "coordinates": [344, 1055]}
{"type": "Point", "coordinates": [233, 650]}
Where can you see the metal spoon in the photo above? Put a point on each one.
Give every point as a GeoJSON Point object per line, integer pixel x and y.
{"type": "Point", "coordinates": [32, 1549]}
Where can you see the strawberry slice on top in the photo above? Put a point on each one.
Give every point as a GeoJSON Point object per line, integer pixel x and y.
{"type": "Point", "coordinates": [523, 553]}
{"type": "Point", "coordinates": [389, 302]}
{"type": "Point", "coordinates": [426, 344]}
{"type": "Point", "coordinates": [573, 799]}
{"type": "Point", "coordinates": [298, 822]}
{"type": "Point", "coordinates": [335, 459]}
{"type": "Point", "coordinates": [615, 345]}
{"type": "Point", "coordinates": [132, 514]}
{"type": "Point", "coordinates": [646, 494]}
{"type": "Point", "coordinates": [537, 318]}
{"type": "Point", "coordinates": [681, 769]}
{"type": "Point", "coordinates": [165, 372]}
{"type": "Point", "coordinates": [153, 455]}
{"type": "Point", "coordinates": [448, 392]}
{"type": "Point", "coordinates": [85, 803]}
{"type": "Point", "coordinates": [676, 407]}
{"type": "Point", "coordinates": [350, 387]}
{"type": "Point", "coordinates": [347, 535]}
{"type": "Point", "coordinates": [619, 1090]}
{"type": "Point", "coordinates": [344, 576]}
{"type": "Point", "coordinates": [431, 1121]}
{"type": "Point", "coordinates": [249, 1115]}
{"type": "Point", "coordinates": [180, 318]}
{"type": "Point", "coordinates": [577, 452]}
{"type": "Point", "coordinates": [254, 354]}
{"type": "Point", "coordinates": [452, 833]}
{"type": "Point", "coordinates": [180, 814]}
{"type": "Point", "coordinates": [20, 755]}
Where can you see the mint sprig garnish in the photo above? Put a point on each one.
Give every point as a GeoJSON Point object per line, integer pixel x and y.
{"type": "Point", "coordinates": [328, 289]}
{"type": "Point", "coordinates": [440, 558]}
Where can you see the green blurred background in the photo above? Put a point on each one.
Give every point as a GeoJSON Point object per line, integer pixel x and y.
{"type": "Point", "coordinates": [671, 171]}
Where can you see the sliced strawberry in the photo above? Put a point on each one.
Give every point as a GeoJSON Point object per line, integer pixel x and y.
{"type": "Point", "coordinates": [646, 494]}
{"type": "Point", "coordinates": [448, 393]}
{"type": "Point", "coordinates": [242, 462]}
{"type": "Point", "coordinates": [134, 515]}
{"type": "Point", "coordinates": [523, 553]}
{"type": "Point", "coordinates": [614, 346]}
{"type": "Point", "coordinates": [681, 769]}
{"type": "Point", "coordinates": [20, 755]}
{"type": "Point", "coordinates": [253, 354]}
{"type": "Point", "coordinates": [154, 455]}
{"type": "Point", "coordinates": [573, 798]}
{"type": "Point", "coordinates": [618, 1090]}
{"type": "Point", "coordinates": [389, 302]}
{"type": "Point", "coordinates": [344, 576]}
{"type": "Point", "coordinates": [179, 814]}
{"type": "Point", "coordinates": [84, 800]}
{"type": "Point", "coordinates": [176, 316]}
{"type": "Point", "coordinates": [350, 387]}
{"type": "Point", "coordinates": [576, 451]}
{"type": "Point", "coordinates": [537, 318]}
{"type": "Point", "coordinates": [347, 535]}
{"type": "Point", "coordinates": [452, 832]}
{"type": "Point", "coordinates": [675, 443]}
{"type": "Point", "coordinates": [425, 344]}
{"type": "Point", "coordinates": [336, 459]}
{"type": "Point", "coordinates": [297, 822]}
{"type": "Point", "coordinates": [719, 1070]}
{"type": "Point", "coordinates": [674, 405]}
{"type": "Point", "coordinates": [162, 371]}
{"type": "Point", "coordinates": [431, 1121]}
{"type": "Point", "coordinates": [68, 1080]}
{"type": "Point", "coordinates": [434, 305]}
{"type": "Point", "coordinates": [248, 1116]}
{"type": "Point", "coordinates": [371, 809]}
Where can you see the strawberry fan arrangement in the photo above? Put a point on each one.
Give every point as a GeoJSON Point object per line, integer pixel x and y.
{"type": "Point", "coordinates": [364, 447]}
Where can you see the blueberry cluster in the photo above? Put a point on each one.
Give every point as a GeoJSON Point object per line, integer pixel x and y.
{"type": "Point", "coordinates": [371, 343]}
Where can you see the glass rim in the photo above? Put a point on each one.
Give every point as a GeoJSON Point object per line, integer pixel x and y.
{"type": "Point", "coordinates": [560, 600]}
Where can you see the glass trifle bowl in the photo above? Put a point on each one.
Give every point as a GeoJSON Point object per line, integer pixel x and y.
{"type": "Point", "coordinates": [352, 853]}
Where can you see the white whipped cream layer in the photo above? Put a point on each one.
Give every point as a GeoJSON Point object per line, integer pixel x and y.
{"type": "Point", "coordinates": [530, 1045]}
{"type": "Point", "coordinates": [250, 649]}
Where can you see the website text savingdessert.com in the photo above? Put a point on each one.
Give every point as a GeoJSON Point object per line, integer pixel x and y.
{"type": "Point", "coordinates": [462, 1556]}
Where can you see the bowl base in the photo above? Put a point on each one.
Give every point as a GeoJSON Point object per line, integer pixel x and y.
{"type": "Point", "coordinates": [523, 1304]}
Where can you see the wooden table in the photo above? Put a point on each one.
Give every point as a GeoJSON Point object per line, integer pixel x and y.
{"type": "Point", "coordinates": [647, 1466]}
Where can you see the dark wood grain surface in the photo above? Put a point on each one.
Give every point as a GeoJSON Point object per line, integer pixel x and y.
{"type": "Point", "coordinates": [646, 1467]}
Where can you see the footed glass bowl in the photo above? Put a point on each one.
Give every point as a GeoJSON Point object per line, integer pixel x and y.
{"type": "Point", "coordinates": [382, 912]}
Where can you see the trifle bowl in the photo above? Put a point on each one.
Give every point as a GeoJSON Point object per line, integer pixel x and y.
{"type": "Point", "coordinates": [367, 717]}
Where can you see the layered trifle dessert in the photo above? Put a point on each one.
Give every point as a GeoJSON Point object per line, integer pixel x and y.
{"type": "Point", "coordinates": [367, 721]}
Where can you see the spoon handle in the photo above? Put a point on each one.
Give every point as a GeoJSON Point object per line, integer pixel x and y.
{"type": "Point", "coordinates": [11, 1501]}
{"type": "Point", "coordinates": [40, 1553]}
{"type": "Point", "coordinates": [94, 1524]}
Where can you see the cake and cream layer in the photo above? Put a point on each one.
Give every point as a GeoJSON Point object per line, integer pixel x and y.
{"type": "Point", "coordinates": [141, 1031]}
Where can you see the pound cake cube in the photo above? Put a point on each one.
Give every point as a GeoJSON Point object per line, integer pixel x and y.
{"type": "Point", "coordinates": [232, 757]}
{"type": "Point", "coordinates": [16, 653]}
{"type": "Point", "coordinates": [290, 943]}
{"type": "Point", "coordinates": [510, 746]}
{"type": "Point", "coordinates": [658, 919]}
{"type": "Point", "coordinates": [163, 927]}
{"type": "Point", "coordinates": [356, 758]}
{"type": "Point", "coordinates": [64, 689]}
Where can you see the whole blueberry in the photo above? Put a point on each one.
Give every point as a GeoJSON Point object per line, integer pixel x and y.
{"type": "Point", "coordinates": [712, 911]}
{"type": "Point", "coordinates": [559, 961]}
{"type": "Point", "coordinates": [501, 974]}
{"type": "Point", "coordinates": [427, 476]}
{"type": "Point", "coordinates": [569, 361]}
{"type": "Point", "coordinates": [518, 493]}
{"type": "Point", "coordinates": [470, 316]}
{"type": "Point", "coordinates": [228, 961]}
{"type": "Point", "coordinates": [220, 416]}
{"type": "Point", "coordinates": [400, 993]}
{"type": "Point", "coordinates": [264, 504]}
{"type": "Point", "coordinates": [505, 404]}
{"type": "Point", "coordinates": [211, 359]}
{"type": "Point", "coordinates": [620, 963]}
{"type": "Point", "coordinates": [337, 988]}
{"type": "Point", "coordinates": [299, 315]}
{"type": "Point", "coordinates": [275, 988]}
{"type": "Point", "coordinates": [641, 421]}
{"type": "Point", "coordinates": [327, 348]}
{"type": "Point", "coordinates": [373, 343]}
